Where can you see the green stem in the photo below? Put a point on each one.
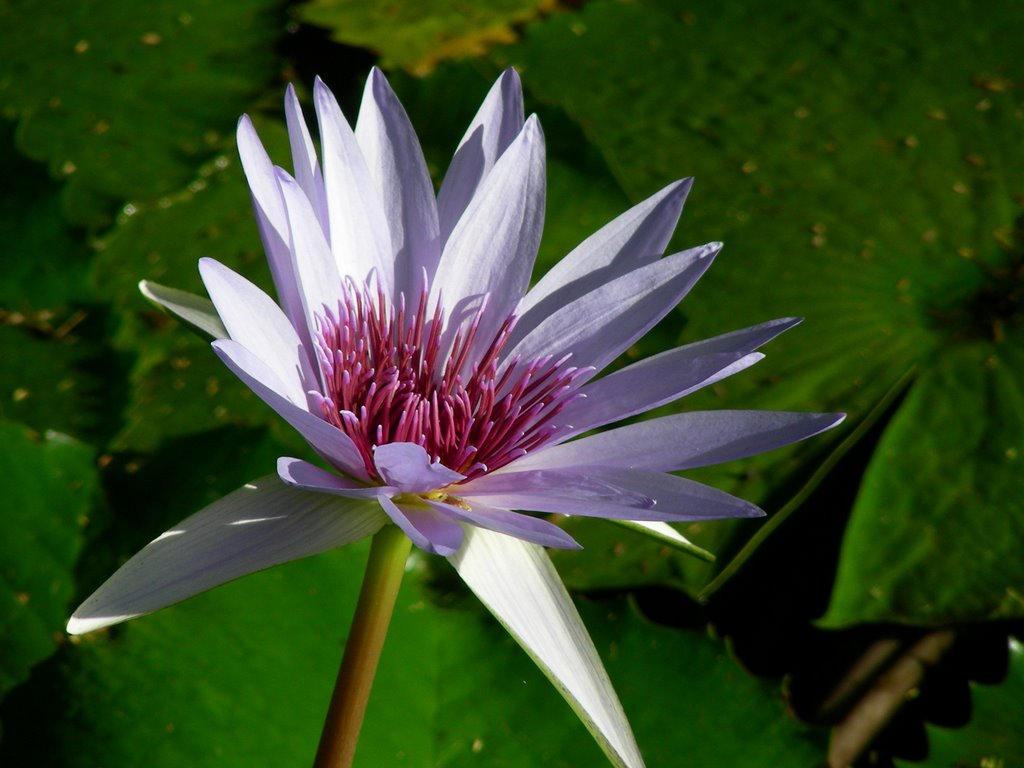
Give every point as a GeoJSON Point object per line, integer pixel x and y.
{"type": "Point", "coordinates": [384, 571]}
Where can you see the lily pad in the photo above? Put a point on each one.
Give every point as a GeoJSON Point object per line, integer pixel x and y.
{"type": "Point", "coordinates": [127, 98]}
{"type": "Point", "coordinates": [992, 739]}
{"type": "Point", "coordinates": [859, 170]}
{"type": "Point", "coordinates": [418, 35]}
{"type": "Point", "coordinates": [49, 484]}
{"type": "Point", "coordinates": [181, 685]}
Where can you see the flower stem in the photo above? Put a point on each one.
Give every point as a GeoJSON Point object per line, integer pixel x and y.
{"type": "Point", "coordinates": [384, 571]}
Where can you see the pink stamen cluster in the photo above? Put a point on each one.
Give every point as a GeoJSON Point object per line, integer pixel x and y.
{"type": "Point", "coordinates": [388, 377]}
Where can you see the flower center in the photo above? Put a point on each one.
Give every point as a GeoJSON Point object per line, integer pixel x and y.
{"type": "Point", "coordinates": [389, 376]}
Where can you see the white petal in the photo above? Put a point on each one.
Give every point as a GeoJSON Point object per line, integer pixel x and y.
{"type": "Point", "coordinates": [264, 523]}
{"type": "Point", "coordinates": [359, 230]}
{"type": "Point", "coordinates": [315, 267]}
{"type": "Point", "coordinates": [519, 585]}
{"type": "Point", "coordinates": [307, 169]}
{"type": "Point", "coordinates": [258, 324]}
{"type": "Point", "coordinates": [197, 311]}
{"type": "Point", "coordinates": [684, 440]}
{"type": "Point", "coordinates": [495, 243]}
{"type": "Point", "coordinates": [395, 161]}
{"type": "Point", "coordinates": [495, 126]}
{"type": "Point", "coordinates": [598, 327]}
{"type": "Point", "coordinates": [666, 534]}
{"type": "Point", "coordinates": [270, 218]}
{"type": "Point", "coordinates": [637, 237]}
{"type": "Point", "coordinates": [667, 376]}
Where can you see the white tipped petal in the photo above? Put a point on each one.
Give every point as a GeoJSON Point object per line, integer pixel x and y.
{"type": "Point", "coordinates": [264, 523]}
{"type": "Point", "coordinates": [495, 126]}
{"type": "Point", "coordinates": [314, 263]}
{"type": "Point", "coordinates": [395, 161]}
{"type": "Point", "coordinates": [197, 311]}
{"type": "Point", "coordinates": [685, 440]}
{"type": "Point", "coordinates": [519, 585]}
{"type": "Point", "coordinates": [495, 243]}
{"type": "Point", "coordinates": [258, 324]}
{"type": "Point", "coordinates": [307, 169]}
{"type": "Point", "coordinates": [359, 229]}
{"type": "Point", "coordinates": [634, 239]}
{"type": "Point", "coordinates": [271, 218]}
{"type": "Point", "coordinates": [329, 441]}
{"type": "Point", "coordinates": [598, 327]}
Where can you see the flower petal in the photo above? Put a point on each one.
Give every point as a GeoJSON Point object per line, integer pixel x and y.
{"type": "Point", "coordinates": [599, 326]}
{"type": "Point", "coordinates": [197, 311]}
{"type": "Point", "coordinates": [638, 388]}
{"type": "Point", "coordinates": [257, 323]}
{"type": "Point", "coordinates": [264, 523]}
{"type": "Point", "coordinates": [685, 440]}
{"type": "Point", "coordinates": [495, 126]}
{"type": "Point", "coordinates": [271, 220]}
{"type": "Point", "coordinates": [407, 467]}
{"type": "Point", "coordinates": [525, 527]}
{"type": "Point", "coordinates": [329, 441]}
{"type": "Point", "coordinates": [634, 239]}
{"type": "Point", "coordinates": [315, 267]}
{"type": "Point", "coordinates": [395, 161]}
{"type": "Point", "coordinates": [492, 249]}
{"type": "Point", "coordinates": [359, 230]}
{"type": "Point", "coordinates": [301, 474]}
{"type": "Point", "coordinates": [666, 534]}
{"type": "Point", "coordinates": [306, 167]}
{"type": "Point", "coordinates": [665, 377]}
{"type": "Point", "coordinates": [429, 530]}
{"type": "Point", "coordinates": [519, 585]}
{"type": "Point", "coordinates": [602, 491]}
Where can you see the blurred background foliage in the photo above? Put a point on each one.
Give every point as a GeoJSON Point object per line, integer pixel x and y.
{"type": "Point", "coordinates": [862, 162]}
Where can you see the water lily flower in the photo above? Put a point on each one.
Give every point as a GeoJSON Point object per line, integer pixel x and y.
{"type": "Point", "coordinates": [443, 394]}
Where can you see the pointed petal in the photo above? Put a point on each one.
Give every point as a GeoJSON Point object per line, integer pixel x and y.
{"type": "Point", "coordinates": [685, 440]}
{"type": "Point", "coordinates": [429, 530]}
{"type": "Point", "coordinates": [307, 169]}
{"type": "Point", "coordinates": [666, 534]}
{"type": "Point", "coordinates": [648, 384]}
{"type": "Point", "coordinates": [197, 311]}
{"type": "Point", "coordinates": [407, 467]}
{"type": "Point", "coordinates": [519, 585]}
{"type": "Point", "coordinates": [495, 126]}
{"type": "Point", "coordinates": [309, 477]}
{"type": "Point", "coordinates": [329, 441]}
{"type": "Point", "coordinates": [395, 162]}
{"type": "Point", "coordinates": [271, 219]}
{"type": "Point", "coordinates": [634, 239]}
{"type": "Point", "coordinates": [668, 376]}
{"type": "Point", "coordinates": [264, 523]}
{"type": "Point", "coordinates": [317, 273]}
{"type": "Point", "coordinates": [600, 491]}
{"type": "Point", "coordinates": [359, 230]}
{"type": "Point", "coordinates": [257, 323]}
{"type": "Point", "coordinates": [495, 243]}
{"type": "Point", "coordinates": [598, 327]}
{"type": "Point", "coordinates": [525, 527]}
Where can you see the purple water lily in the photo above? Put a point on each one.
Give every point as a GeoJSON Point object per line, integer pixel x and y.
{"type": "Point", "coordinates": [441, 392]}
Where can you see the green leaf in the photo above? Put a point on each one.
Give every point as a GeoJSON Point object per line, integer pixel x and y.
{"type": "Point", "coordinates": [993, 738]}
{"type": "Point", "coordinates": [49, 379]}
{"type": "Point", "coordinates": [44, 264]}
{"type": "Point", "coordinates": [938, 524]}
{"type": "Point", "coordinates": [857, 168]}
{"type": "Point", "coordinates": [244, 673]}
{"type": "Point", "coordinates": [124, 100]}
{"type": "Point", "coordinates": [49, 483]}
{"type": "Point", "coordinates": [418, 35]}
